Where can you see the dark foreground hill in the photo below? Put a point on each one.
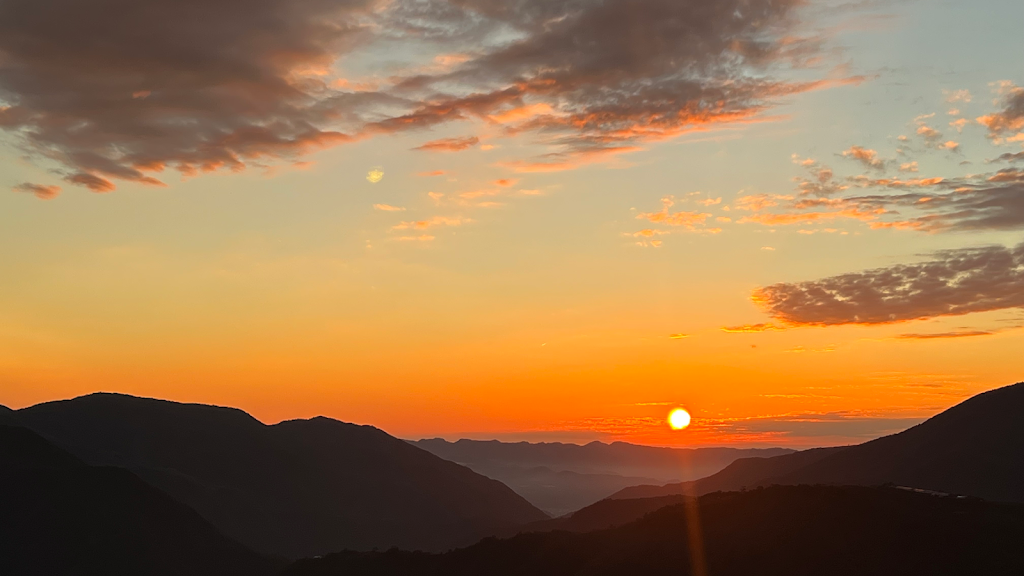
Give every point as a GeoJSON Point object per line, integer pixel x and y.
{"type": "Point", "coordinates": [606, 513]}
{"type": "Point", "coordinates": [560, 478]}
{"type": "Point", "coordinates": [294, 489]}
{"type": "Point", "coordinates": [974, 448]}
{"type": "Point", "coordinates": [59, 516]}
{"type": "Point", "coordinates": [741, 474]}
{"type": "Point", "coordinates": [783, 530]}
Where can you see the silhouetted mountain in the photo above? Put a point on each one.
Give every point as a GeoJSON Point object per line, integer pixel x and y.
{"type": "Point", "coordinates": [298, 488]}
{"type": "Point", "coordinates": [603, 514]}
{"type": "Point", "coordinates": [59, 516]}
{"type": "Point", "coordinates": [974, 448]}
{"type": "Point", "coordinates": [7, 416]}
{"type": "Point", "coordinates": [741, 474]}
{"type": "Point", "coordinates": [783, 530]}
{"type": "Point", "coordinates": [559, 478]}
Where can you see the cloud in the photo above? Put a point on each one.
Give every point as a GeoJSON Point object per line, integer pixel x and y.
{"type": "Point", "coordinates": [41, 191]}
{"type": "Point", "coordinates": [126, 89]}
{"type": "Point", "coordinates": [420, 238]}
{"type": "Point", "coordinates": [430, 223]}
{"type": "Point", "coordinates": [953, 96]}
{"type": "Point", "coordinates": [689, 220]}
{"type": "Point", "coordinates": [678, 336]}
{"type": "Point", "coordinates": [432, 173]}
{"type": "Point", "coordinates": [865, 156]}
{"type": "Point", "coordinates": [945, 335]}
{"type": "Point", "coordinates": [614, 74]}
{"type": "Point", "coordinates": [387, 208]}
{"type": "Point", "coordinates": [449, 144]}
{"type": "Point", "coordinates": [1009, 157]}
{"type": "Point", "coordinates": [1010, 120]}
{"type": "Point", "coordinates": [954, 283]}
{"type": "Point", "coordinates": [752, 328]}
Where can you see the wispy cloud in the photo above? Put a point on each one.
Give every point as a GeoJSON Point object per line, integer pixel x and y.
{"type": "Point", "coordinates": [41, 191]}
{"type": "Point", "coordinates": [449, 144]}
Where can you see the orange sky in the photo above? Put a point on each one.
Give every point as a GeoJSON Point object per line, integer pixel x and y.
{"type": "Point", "coordinates": [498, 236]}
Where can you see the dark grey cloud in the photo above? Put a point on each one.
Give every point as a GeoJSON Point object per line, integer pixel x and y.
{"type": "Point", "coordinates": [613, 73]}
{"type": "Point", "coordinates": [1009, 157]}
{"type": "Point", "coordinates": [953, 283]}
{"type": "Point", "coordinates": [121, 89]}
{"type": "Point", "coordinates": [124, 89]}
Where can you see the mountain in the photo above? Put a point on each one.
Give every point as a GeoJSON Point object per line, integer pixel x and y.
{"type": "Point", "coordinates": [59, 516]}
{"type": "Point", "coordinates": [740, 475]}
{"type": "Point", "coordinates": [777, 531]}
{"type": "Point", "coordinates": [7, 416]}
{"type": "Point", "coordinates": [603, 514]}
{"type": "Point", "coordinates": [974, 448]}
{"type": "Point", "coordinates": [559, 478]}
{"type": "Point", "coordinates": [297, 488]}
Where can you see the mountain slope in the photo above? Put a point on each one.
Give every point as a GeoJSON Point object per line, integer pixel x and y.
{"type": "Point", "coordinates": [560, 478]}
{"type": "Point", "coordinates": [778, 531]}
{"type": "Point", "coordinates": [974, 448]}
{"type": "Point", "coordinates": [59, 516]}
{"type": "Point", "coordinates": [298, 488]}
{"type": "Point", "coordinates": [741, 474]}
{"type": "Point", "coordinates": [606, 513]}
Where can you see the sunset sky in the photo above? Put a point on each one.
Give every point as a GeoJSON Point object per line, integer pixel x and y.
{"type": "Point", "coordinates": [802, 221]}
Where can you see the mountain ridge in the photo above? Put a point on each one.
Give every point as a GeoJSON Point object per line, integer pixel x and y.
{"type": "Point", "coordinates": [296, 488]}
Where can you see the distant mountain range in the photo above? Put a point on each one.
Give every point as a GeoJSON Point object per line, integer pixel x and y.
{"type": "Point", "coordinates": [559, 478]}
{"type": "Point", "coordinates": [60, 516]}
{"type": "Point", "coordinates": [295, 489]}
{"type": "Point", "coordinates": [974, 448]}
{"type": "Point", "coordinates": [777, 531]}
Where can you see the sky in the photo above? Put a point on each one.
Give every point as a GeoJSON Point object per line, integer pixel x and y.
{"type": "Point", "coordinates": [543, 220]}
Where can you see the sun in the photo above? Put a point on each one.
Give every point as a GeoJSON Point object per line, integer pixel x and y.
{"type": "Point", "coordinates": [678, 419]}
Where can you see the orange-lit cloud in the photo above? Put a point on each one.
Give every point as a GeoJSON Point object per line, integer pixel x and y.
{"type": "Point", "coordinates": [432, 173]}
{"type": "Point", "coordinates": [688, 220]}
{"type": "Point", "coordinates": [945, 335]}
{"type": "Point", "coordinates": [1008, 122]}
{"type": "Point", "coordinates": [41, 191]}
{"type": "Point", "coordinates": [449, 144]}
{"type": "Point", "coordinates": [387, 208]}
{"type": "Point", "coordinates": [752, 328]}
{"type": "Point", "coordinates": [430, 223]}
{"type": "Point", "coordinates": [865, 156]}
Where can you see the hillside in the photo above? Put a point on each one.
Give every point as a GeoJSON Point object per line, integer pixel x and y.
{"type": "Point", "coordinates": [741, 474]}
{"type": "Point", "coordinates": [975, 448]}
{"type": "Point", "coordinates": [294, 489]}
{"type": "Point", "coordinates": [60, 516]}
{"type": "Point", "coordinates": [560, 478]}
{"type": "Point", "coordinates": [604, 514]}
{"type": "Point", "coordinates": [778, 531]}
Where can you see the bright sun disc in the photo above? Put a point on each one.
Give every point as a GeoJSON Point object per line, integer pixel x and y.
{"type": "Point", "coordinates": [678, 419]}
